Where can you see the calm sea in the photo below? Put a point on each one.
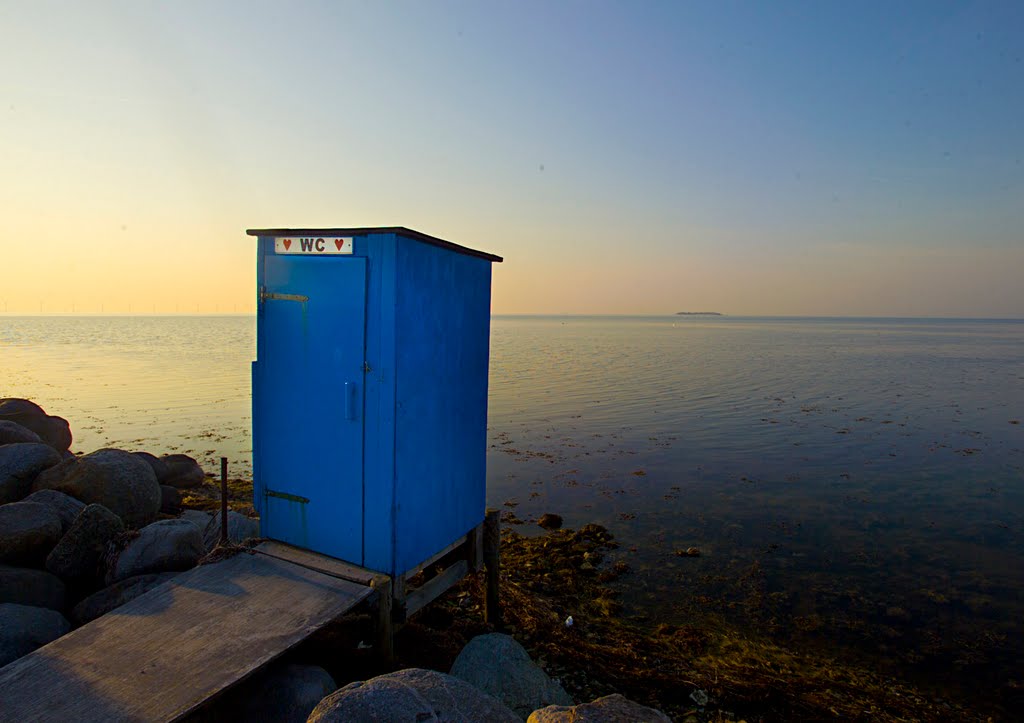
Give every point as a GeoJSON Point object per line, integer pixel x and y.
{"type": "Point", "coordinates": [853, 485]}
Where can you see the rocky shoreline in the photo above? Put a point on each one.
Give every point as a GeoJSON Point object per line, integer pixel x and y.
{"type": "Point", "coordinates": [81, 535]}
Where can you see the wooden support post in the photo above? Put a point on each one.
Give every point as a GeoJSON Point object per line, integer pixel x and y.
{"type": "Point", "coordinates": [475, 548]}
{"type": "Point", "coordinates": [492, 559]}
{"type": "Point", "coordinates": [381, 584]}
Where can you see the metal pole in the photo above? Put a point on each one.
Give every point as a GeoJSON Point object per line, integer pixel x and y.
{"type": "Point", "coordinates": [223, 500]}
{"type": "Point", "coordinates": [492, 559]}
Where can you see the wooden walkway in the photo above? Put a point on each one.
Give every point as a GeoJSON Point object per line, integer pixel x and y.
{"type": "Point", "coordinates": [165, 653]}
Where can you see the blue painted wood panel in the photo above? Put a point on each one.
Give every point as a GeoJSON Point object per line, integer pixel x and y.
{"type": "Point", "coordinates": [442, 326]}
{"type": "Point", "coordinates": [413, 314]}
{"type": "Point", "coordinates": [310, 384]}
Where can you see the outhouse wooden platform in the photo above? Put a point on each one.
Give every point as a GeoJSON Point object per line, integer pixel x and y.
{"type": "Point", "coordinates": [165, 653]}
{"type": "Point", "coordinates": [169, 651]}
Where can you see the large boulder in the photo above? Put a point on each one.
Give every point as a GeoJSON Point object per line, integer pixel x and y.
{"type": "Point", "coordinates": [240, 528]}
{"type": "Point", "coordinates": [118, 480]}
{"type": "Point", "coordinates": [411, 696]}
{"type": "Point", "coordinates": [24, 628]}
{"type": "Point", "coordinates": [28, 531]}
{"type": "Point", "coordinates": [500, 666]}
{"type": "Point", "coordinates": [282, 693]}
{"type": "Point", "coordinates": [170, 500]}
{"type": "Point", "coordinates": [197, 517]}
{"type": "Point", "coordinates": [183, 471]}
{"type": "Point", "coordinates": [161, 470]}
{"type": "Point", "coordinates": [10, 406]}
{"type": "Point", "coordinates": [19, 466]}
{"type": "Point", "coordinates": [24, 586]}
{"type": "Point", "coordinates": [116, 595]}
{"type": "Point", "coordinates": [66, 506]}
{"type": "Point", "coordinates": [164, 546]}
{"type": "Point", "coordinates": [79, 554]}
{"type": "Point", "coordinates": [14, 433]}
{"type": "Point", "coordinates": [609, 709]}
{"type": "Point", "coordinates": [53, 430]}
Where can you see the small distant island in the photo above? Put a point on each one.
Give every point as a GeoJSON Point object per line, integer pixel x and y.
{"type": "Point", "coordinates": [698, 313]}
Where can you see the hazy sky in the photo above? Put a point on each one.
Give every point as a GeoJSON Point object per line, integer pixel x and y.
{"type": "Point", "coordinates": [835, 158]}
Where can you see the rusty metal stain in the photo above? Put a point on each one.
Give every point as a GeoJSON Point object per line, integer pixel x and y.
{"type": "Point", "coordinates": [287, 496]}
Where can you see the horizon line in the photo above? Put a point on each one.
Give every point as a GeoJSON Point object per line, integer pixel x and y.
{"type": "Point", "coordinates": [666, 315]}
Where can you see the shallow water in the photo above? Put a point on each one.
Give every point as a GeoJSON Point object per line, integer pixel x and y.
{"type": "Point", "coordinates": [854, 485]}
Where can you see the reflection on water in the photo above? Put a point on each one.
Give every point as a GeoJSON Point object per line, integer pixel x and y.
{"type": "Point", "coordinates": [851, 484]}
{"type": "Point", "coordinates": [162, 384]}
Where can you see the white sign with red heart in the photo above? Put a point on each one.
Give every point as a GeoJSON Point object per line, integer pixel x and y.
{"type": "Point", "coordinates": [309, 245]}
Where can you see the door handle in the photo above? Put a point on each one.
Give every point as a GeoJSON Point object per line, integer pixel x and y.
{"type": "Point", "coordinates": [350, 400]}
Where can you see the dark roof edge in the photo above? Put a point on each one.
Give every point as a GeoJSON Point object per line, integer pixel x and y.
{"type": "Point", "coordinates": [398, 230]}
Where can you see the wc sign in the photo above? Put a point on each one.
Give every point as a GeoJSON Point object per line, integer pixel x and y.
{"type": "Point", "coordinates": [311, 245]}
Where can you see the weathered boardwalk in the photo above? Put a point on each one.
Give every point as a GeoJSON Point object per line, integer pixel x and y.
{"type": "Point", "coordinates": [163, 654]}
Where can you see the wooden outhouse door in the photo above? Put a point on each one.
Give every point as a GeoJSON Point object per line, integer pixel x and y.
{"type": "Point", "coordinates": [309, 387]}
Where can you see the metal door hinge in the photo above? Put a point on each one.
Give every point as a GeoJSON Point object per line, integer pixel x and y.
{"type": "Point", "coordinates": [264, 295]}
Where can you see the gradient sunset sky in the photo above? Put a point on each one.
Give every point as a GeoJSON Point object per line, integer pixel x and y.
{"type": "Point", "coordinates": [776, 158]}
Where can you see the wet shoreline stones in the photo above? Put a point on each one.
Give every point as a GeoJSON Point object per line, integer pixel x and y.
{"type": "Point", "coordinates": [116, 479]}
{"type": "Point", "coordinates": [82, 535]}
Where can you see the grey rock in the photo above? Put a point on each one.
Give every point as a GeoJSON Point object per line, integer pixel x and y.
{"type": "Point", "coordinates": [411, 696]}
{"type": "Point", "coordinates": [53, 430]}
{"type": "Point", "coordinates": [197, 517]}
{"type": "Point", "coordinates": [12, 405]}
{"type": "Point", "coordinates": [23, 628]}
{"type": "Point", "coordinates": [170, 500]}
{"type": "Point", "coordinates": [609, 709]}
{"type": "Point", "coordinates": [14, 433]}
{"type": "Point", "coordinates": [161, 470]}
{"type": "Point", "coordinates": [19, 466]}
{"type": "Point", "coordinates": [78, 556]}
{"type": "Point", "coordinates": [283, 693]}
{"type": "Point", "coordinates": [66, 506]}
{"type": "Point", "coordinates": [116, 595]}
{"type": "Point", "coordinates": [500, 666]}
{"type": "Point", "coordinates": [28, 531]}
{"type": "Point", "coordinates": [118, 480]}
{"type": "Point", "coordinates": [240, 528]}
{"type": "Point", "coordinates": [184, 472]}
{"type": "Point", "coordinates": [24, 586]}
{"type": "Point", "coordinates": [550, 521]}
{"type": "Point", "coordinates": [163, 546]}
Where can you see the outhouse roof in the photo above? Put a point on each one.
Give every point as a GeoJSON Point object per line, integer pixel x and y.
{"type": "Point", "coordinates": [397, 230]}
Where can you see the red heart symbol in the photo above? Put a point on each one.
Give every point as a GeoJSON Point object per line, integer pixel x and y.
{"type": "Point", "coordinates": [339, 242]}
{"type": "Point", "coordinates": [287, 244]}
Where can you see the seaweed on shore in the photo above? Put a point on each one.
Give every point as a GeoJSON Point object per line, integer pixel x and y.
{"type": "Point", "coordinates": [206, 497]}
{"type": "Point", "coordinates": [546, 579]}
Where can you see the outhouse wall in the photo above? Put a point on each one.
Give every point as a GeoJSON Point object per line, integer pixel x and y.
{"type": "Point", "coordinates": [443, 331]}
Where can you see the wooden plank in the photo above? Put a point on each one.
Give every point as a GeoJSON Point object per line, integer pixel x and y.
{"type": "Point", "coordinates": [316, 561]}
{"type": "Point", "coordinates": [430, 591]}
{"type": "Point", "coordinates": [163, 654]}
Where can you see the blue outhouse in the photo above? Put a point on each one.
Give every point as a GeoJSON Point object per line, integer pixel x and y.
{"type": "Point", "coordinates": [370, 392]}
